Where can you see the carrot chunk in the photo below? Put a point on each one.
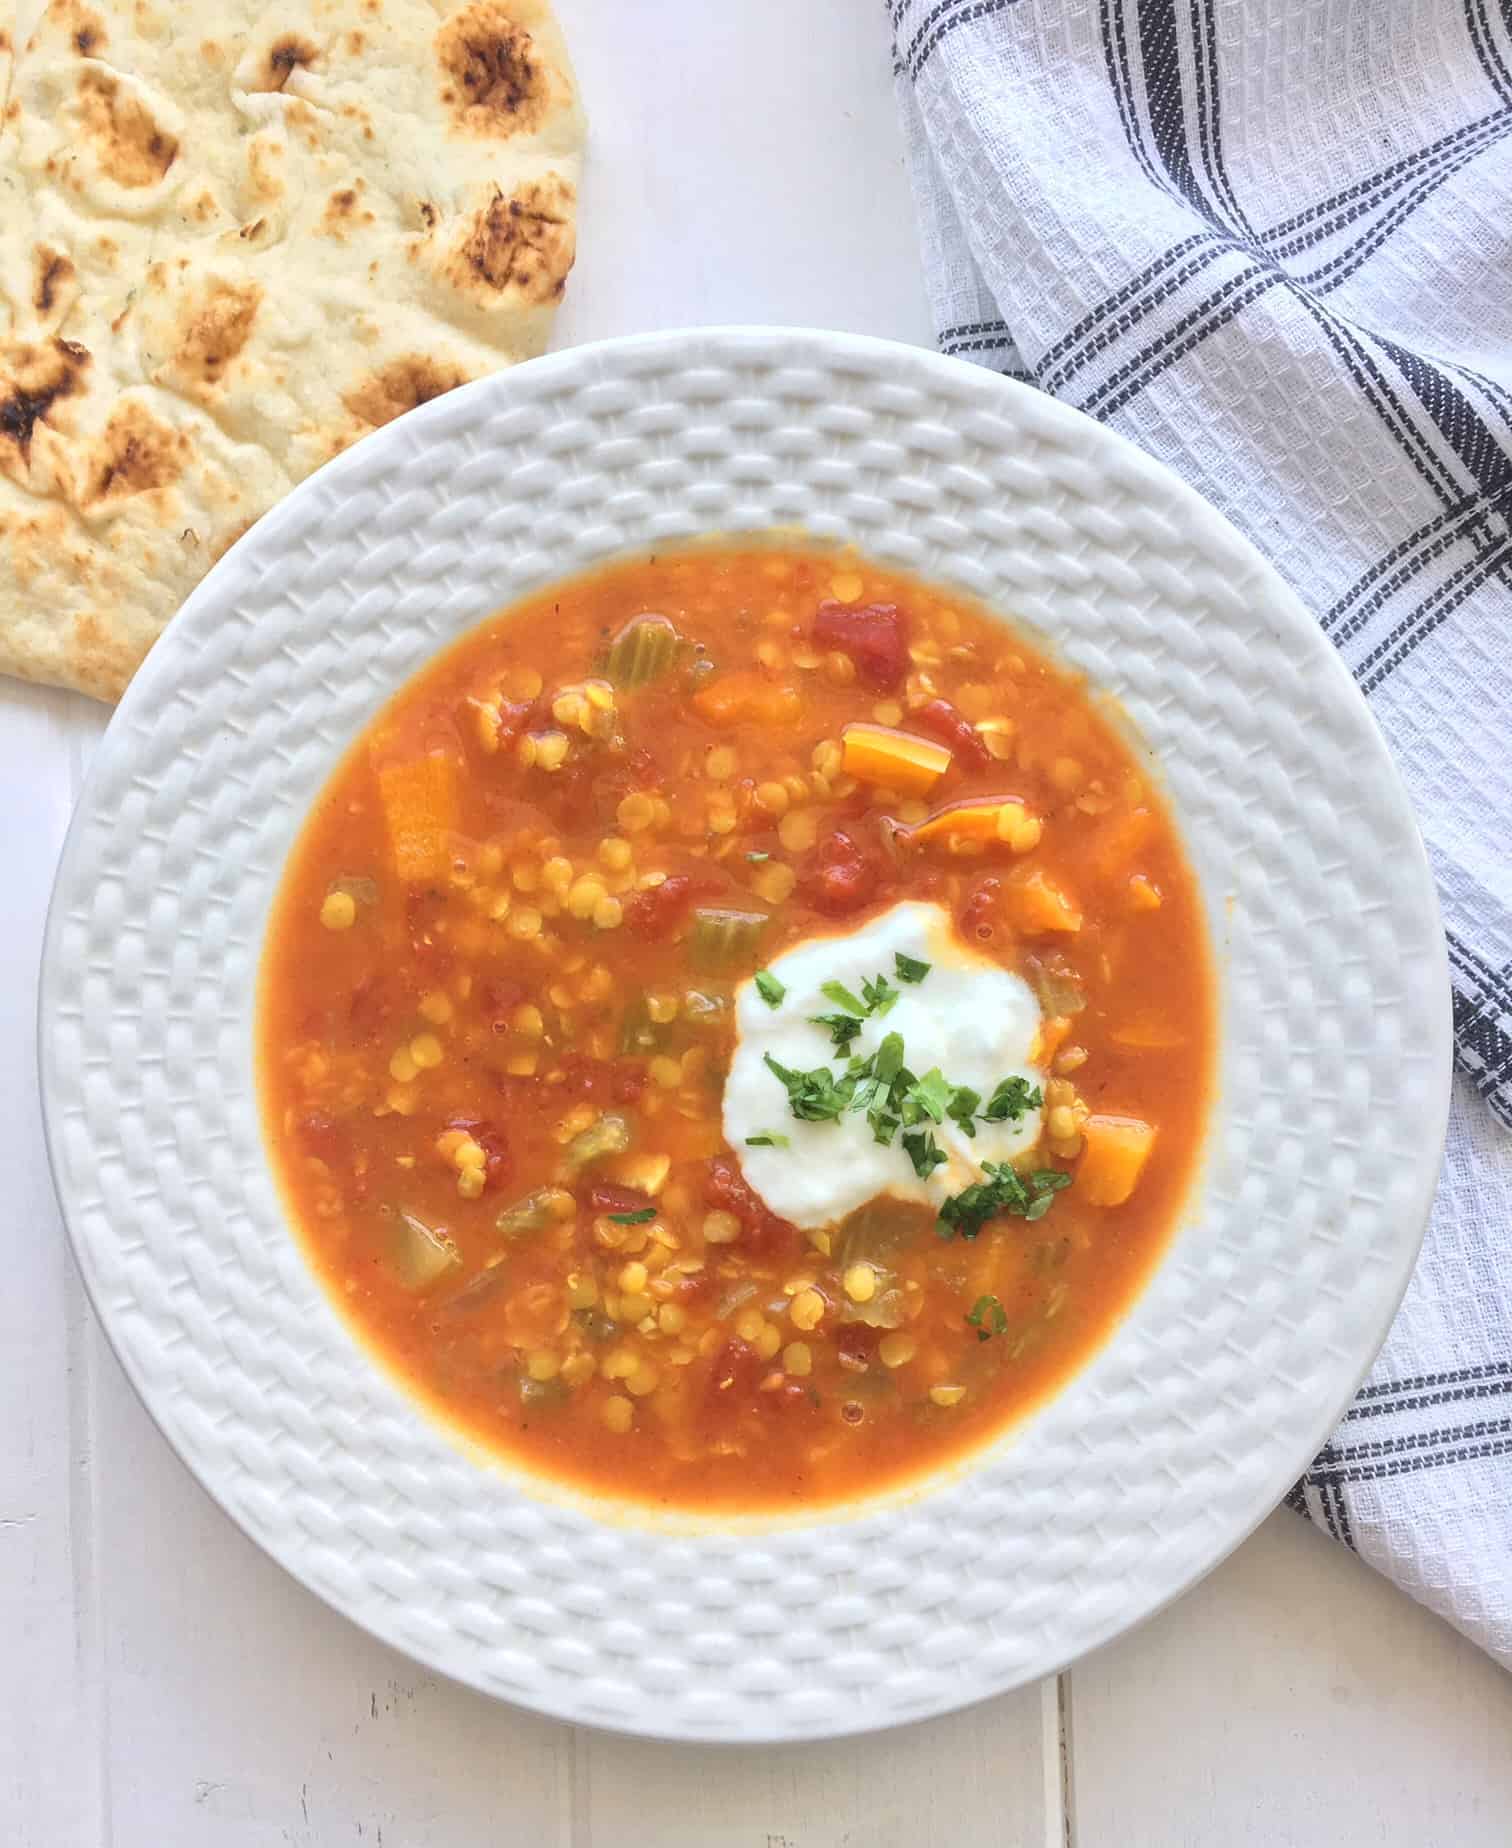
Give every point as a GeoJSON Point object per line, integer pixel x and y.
{"type": "Point", "coordinates": [1114, 1152]}
{"type": "Point", "coordinates": [1147, 1030]}
{"type": "Point", "coordinates": [747, 699]}
{"type": "Point", "coordinates": [420, 802]}
{"type": "Point", "coordinates": [894, 759]}
{"type": "Point", "coordinates": [1035, 903]}
{"type": "Point", "coordinates": [967, 821]}
{"type": "Point", "coordinates": [990, 818]}
{"type": "Point", "coordinates": [1119, 840]}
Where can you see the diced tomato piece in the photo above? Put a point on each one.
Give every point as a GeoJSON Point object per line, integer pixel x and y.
{"type": "Point", "coordinates": [762, 1230]}
{"type": "Point", "coordinates": [496, 1167]}
{"type": "Point", "coordinates": [369, 1006]}
{"type": "Point", "coordinates": [734, 1373]}
{"type": "Point", "coordinates": [875, 636]}
{"type": "Point", "coordinates": [856, 1346]}
{"type": "Point", "coordinates": [733, 1383]}
{"type": "Point", "coordinates": [661, 908]}
{"type": "Point", "coordinates": [727, 1186]}
{"type": "Point", "coordinates": [584, 1077]}
{"type": "Point", "coordinates": [514, 1094]}
{"type": "Point", "coordinates": [939, 719]}
{"type": "Point", "coordinates": [700, 1290]}
{"type": "Point", "coordinates": [605, 1197]}
{"type": "Point", "coordinates": [838, 876]}
{"type": "Point", "coordinates": [516, 716]}
{"type": "Point", "coordinates": [493, 1142]}
{"type": "Point", "coordinates": [500, 999]}
{"type": "Point", "coordinates": [618, 1081]}
{"type": "Point", "coordinates": [980, 915]}
{"type": "Point", "coordinates": [565, 796]}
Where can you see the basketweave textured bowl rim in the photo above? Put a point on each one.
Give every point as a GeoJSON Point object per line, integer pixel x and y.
{"type": "Point", "coordinates": [1227, 1373]}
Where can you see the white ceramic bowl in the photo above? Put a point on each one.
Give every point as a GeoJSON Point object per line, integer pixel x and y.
{"type": "Point", "coordinates": [1233, 1365]}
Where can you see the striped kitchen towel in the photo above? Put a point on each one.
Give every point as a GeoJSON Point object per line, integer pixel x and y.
{"type": "Point", "coordinates": [1271, 241]}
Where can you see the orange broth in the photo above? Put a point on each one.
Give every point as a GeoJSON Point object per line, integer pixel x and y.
{"type": "Point", "coordinates": [494, 1024]}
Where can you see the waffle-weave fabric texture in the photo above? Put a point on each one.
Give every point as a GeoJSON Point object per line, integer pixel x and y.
{"type": "Point", "coordinates": [1272, 243]}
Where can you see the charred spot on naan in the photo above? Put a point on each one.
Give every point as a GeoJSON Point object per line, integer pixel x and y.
{"type": "Point", "coordinates": [400, 386]}
{"type": "Point", "coordinates": [347, 333]}
{"type": "Point", "coordinates": [492, 79]}
{"type": "Point", "coordinates": [54, 273]}
{"type": "Point", "coordinates": [524, 243]}
{"type": "Point", "coordinates": [131, 148]}
{"type": "Point", "coordinates": [89, 38]}
{"type": "Point", "coordinates": [344, 209]}
{"type": "Point", "coordinates": [32, 380]}
{"type": "Point", "coordinates": [136, 453]}
{"type": "Point", "coordinates": [213, 330]}
{"type": "Point", "coordinates": [288, 53]}
{"type": "Point", "coordinates": [79, 25]}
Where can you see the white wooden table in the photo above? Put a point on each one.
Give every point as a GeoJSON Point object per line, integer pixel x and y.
{"type": "Point", "coordinates": [163, 1685]}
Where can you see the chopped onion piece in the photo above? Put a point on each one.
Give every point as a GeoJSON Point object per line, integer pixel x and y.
{"type": "Point", "coordinates": [422, 1253]}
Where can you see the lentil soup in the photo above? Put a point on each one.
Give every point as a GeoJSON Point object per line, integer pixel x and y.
{"type": "Point", "coordinates": [736, 1030]}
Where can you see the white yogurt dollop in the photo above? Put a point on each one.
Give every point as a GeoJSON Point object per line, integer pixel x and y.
{"type": "Point", "coordinates": [972, 1019]}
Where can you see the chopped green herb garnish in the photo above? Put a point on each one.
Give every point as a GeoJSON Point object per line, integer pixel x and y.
{"type": "Point", "coordinates": [923, 1151]}
{"type": "Point", "coordinates": [1004, 1192]}
{"type": "Point", "coordinates": [887, 1061]}
{"type": "Point", "coordinates": [861, 1075]}
{"type": "Point", "coordinates": [843, 1028]}
{"type": "Point", "coordinates": [769, 988]}
{"type": "Point", "coordinates": [842, 997]}
{"type": "Point", "coordinates": [1011, 1099]}
{"type": "Point", "coordinates": [962, 1108]}
{"type": "Point", "coordinates": [637, 1218]}
{"type": "Point", "coordinates": [816, 1096]}
{"type": "Point", "coordinates": [768, 1139]}
{"type": "Point", "coordinates": [1047, 1183]}
{"type": "Point", "coordinates": [874, 1083]}
{"type": "Point", "coordinates": [930, 1096]}
{"type": "Point", "coordinates": [756, 858]}
{"type": "Point", "coordinates": [988, 1317]}
{"type": "Point", "coordinates": [893, 1099]}
{"type": "Point", "coordinates": [879, 995]}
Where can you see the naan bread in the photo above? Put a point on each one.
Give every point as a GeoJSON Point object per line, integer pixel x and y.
{"type": "Point", "coordinates": [232, 241]}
